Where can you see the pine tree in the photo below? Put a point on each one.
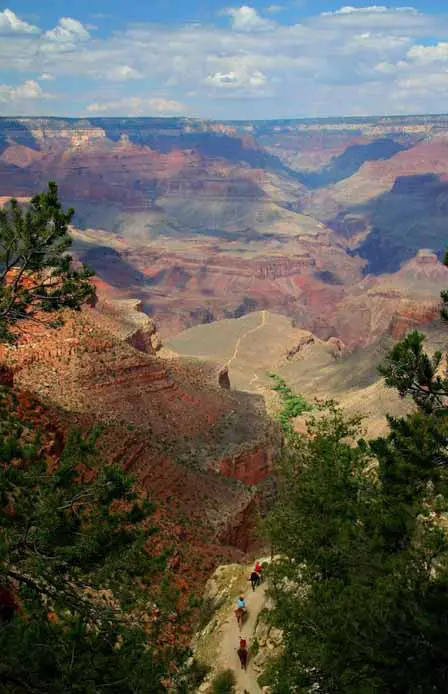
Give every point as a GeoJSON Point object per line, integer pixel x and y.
{"type": "Point", "coordinates": [36, 272]}
{"type": "Point", "coordinates": [74, 566]}
{"type": "Point", "coordinates": [361, 591]}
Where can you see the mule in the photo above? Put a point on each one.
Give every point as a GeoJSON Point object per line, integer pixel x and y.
{"type": "Point", "coordinates": [240, 614]}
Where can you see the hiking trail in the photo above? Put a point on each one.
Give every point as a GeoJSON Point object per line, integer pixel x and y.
{"type": "Point", "coordinates": [246, 681]}
{"type": "Point", "coordinates": [248, 332]}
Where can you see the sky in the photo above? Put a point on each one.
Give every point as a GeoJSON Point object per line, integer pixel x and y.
{"type": "Point", "coordinates": [214, 59]}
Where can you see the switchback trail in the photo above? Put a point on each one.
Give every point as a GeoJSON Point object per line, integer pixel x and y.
{"type": "Point", "coordinates": [246, 681]}
{"type": "Point", "coordinates": [248, 332]}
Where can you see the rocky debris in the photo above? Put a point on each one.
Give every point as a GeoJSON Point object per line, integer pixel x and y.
{"type": "Point", "coordinates": [335, 346]}
{"type": "Point", "coordinates": [306, 340]}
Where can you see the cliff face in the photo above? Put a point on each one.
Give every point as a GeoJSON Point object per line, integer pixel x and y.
{"type": "Point", "coordinates": [202, 221]}
{"type": "Point", "coordinates": [126, 320]}
{"type": "Point", "coordinates": [196, 448]}
{"type": "Point", "coordinates": [167, 420]}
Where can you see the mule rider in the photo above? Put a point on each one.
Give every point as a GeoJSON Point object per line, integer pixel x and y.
{"type": "Point", "coordinates": [254, 578]}
{"type": "Point", "coordinates": [241, 603]}
{"type": "Point", "coordinates": [243, 654]}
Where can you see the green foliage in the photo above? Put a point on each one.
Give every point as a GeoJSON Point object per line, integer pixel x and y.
{"type": "Point", "coordinates": [72, 553]}
{"type": "Point", "coordinates": [36, 273]}
{"type": "Point", "coordinates": [254, 648]}
{"type": "Point", "coordinates": [444, 294]}
{"type": "Point", "coordinates": [224, 683]}
{"type": "Point", "coordinates": [409, 369]}
{"type": "Point", "coordinates": [293, 404]}
{"type": "Point", "coordinates": [362, 590]}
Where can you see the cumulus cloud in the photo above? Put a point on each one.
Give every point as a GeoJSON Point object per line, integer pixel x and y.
{"type": "Point", "coordinates": [238, 80]}
{"type": "Point", "coordinates": [25, 91]}
{"type": "Point", "coordinates": [46, 77]}
{"type": "Point", "coordinates": [11, 24]}
{"type": "Point", "coordinates": [429, 54]}
{"type": "Point", "coordinates": [67, 31]}
{"type": "Point", "coordinates": [138, 106]}
{"type": "Point", "coordinates": [246, 18]}
{"type": "Point", "coordinates": [353, 60]}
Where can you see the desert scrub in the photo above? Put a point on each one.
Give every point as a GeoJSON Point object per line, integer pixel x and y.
{"type": "Point", "coordinates": [254, 648]}
{"type": "Point", "coordinates": [224, 683]}
{"type": "Point", "coordinates": [293, 405]}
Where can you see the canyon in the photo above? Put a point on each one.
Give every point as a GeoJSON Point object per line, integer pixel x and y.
{"type": "Point", "coordinates": [202, 221]}
{"type": "Point", "coordinates": [224, 252]}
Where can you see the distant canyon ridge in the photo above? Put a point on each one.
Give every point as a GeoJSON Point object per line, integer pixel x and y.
{"type": "Point", "coordinates": [338, 224]}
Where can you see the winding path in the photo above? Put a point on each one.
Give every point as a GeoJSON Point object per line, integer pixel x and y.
{"type": "Point", "coordinates": [246, 681]}
{"type": "Point", "coordinates": [243, 337]}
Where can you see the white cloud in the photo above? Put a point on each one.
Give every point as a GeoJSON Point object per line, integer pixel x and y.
{"type": "Point", "coordinates": [11, 24]}
{"type": "Point", "coordinates": [25, 91]}
{"type": "Point", "coordinates": [138, 106]}
{"type": "Point", "coordinates": [429, 54]}
{"type": "Point", "coordinates": [401, 20]}
{"type": "Point", "coordinates": [237, 80]}
{"type": "Point", "coordinates": [121, 73]}
{"type": "Point", "coordinates": [246, 18]}
{"type": "Point", "coordinates": [391, 68]}
{"type": "Point", "coordinates": [354, 60]}
{"type": "Point", "coordinates": [46, 77]}
{"type": "Point", "coordinates": [67, 30]}
{"type": "Point", "coordinates": [372, 9]}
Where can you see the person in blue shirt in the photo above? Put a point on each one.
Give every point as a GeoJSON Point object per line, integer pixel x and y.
{"type": "Point", "coordinates": [241, 603]}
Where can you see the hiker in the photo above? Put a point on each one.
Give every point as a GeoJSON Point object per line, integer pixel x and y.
{"type": "Point", "coordinates": [259, 570]}
{"type": "Point", "coordinates": [243, 654]}
{"type": "Point", "coordinates": [255, 579]}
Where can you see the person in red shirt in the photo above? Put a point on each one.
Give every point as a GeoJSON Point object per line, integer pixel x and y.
{"type": "Point", "coordinates": [243, 654]}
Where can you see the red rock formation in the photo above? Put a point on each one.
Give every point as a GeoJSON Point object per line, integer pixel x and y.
{"type": "Point", "coordinates": [249, 467]}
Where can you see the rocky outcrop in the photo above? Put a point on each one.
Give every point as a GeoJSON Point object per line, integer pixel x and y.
{"type": "Point", "coordinates": [128, 322]}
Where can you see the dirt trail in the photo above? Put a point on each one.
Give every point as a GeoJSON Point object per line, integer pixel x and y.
{"type": "Point", "coordinates": [248, 332]}
{"type": "Point", "coordinates": [228, 657]}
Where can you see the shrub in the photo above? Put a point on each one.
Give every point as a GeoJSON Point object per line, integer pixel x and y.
{"type": "Point", "coordinates": [224, 683]}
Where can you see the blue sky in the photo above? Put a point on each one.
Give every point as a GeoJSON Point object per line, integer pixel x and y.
{"type": "Point", "coordinates": [216, 59]}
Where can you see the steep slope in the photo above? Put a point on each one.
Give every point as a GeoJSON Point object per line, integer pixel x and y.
{"type": "Point", "coordinates": [166, 421]}
{"type": "Point", "coordinates": [389, 210]}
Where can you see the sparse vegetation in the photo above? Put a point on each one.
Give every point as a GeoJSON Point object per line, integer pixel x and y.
{"type": "Point", "coordinates": [293, 404]}
{"type": "Point", "coordinates": [224, 683]}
